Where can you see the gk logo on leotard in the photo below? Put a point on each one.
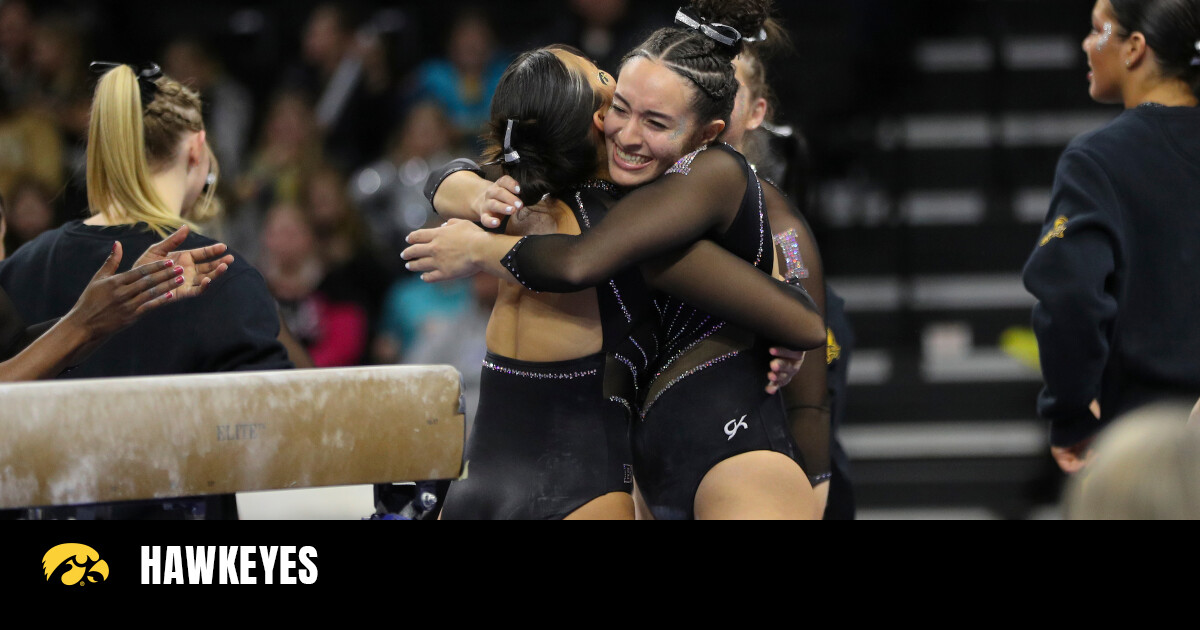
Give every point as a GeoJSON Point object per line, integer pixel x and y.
{"type": "Point", "coordinates": [731, 427]}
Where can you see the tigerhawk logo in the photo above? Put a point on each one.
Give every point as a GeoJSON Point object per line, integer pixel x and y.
{"type": "Point", "coordinates": [1059, 231]}
{"type": "Point", "coordinates": [79, 564]}
{"type": "Point", "coordinates": [833, 351]}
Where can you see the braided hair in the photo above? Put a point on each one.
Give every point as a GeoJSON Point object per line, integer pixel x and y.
{"type": "Point", "coordinates": [135, 128]}
{"type": "Point", "coordinates": [765, 37]}
{"type": "Point", "coordinates": [706, 63]}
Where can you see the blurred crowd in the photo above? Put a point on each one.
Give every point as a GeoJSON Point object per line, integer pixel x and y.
{"type": "Point", "coordinates": [322, 159]}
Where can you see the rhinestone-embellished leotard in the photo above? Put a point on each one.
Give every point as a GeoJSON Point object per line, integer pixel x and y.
{"type": "Point", "coordinates": [551, 436]}
{"type": "Point", "coordinates": [706, 401]}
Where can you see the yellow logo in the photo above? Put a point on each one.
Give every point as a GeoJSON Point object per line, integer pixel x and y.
{"type": "Point", "coordinates": [83, 562]}
{"type": "Point", "coordinates": [832, 349]}
{"type": "Point", "coordinates": [1059, 230]}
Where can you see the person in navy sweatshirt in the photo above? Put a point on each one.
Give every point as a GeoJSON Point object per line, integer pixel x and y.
{"type": "Point", "coordinates": [1116, 268]}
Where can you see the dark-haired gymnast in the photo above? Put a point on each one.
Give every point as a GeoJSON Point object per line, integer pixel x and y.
{"type": "Point", "coordinates": [563, 371]}
{"type": "Point", "coordinates": [709, 443]}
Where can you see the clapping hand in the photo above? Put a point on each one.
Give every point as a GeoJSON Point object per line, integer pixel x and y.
{"type": "Point", "coordinates": [200, 266]}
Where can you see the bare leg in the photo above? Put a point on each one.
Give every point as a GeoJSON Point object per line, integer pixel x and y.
{"type": "Point", "coordinates": [614, 506]}
{"type": "Point", "coordinates": [760, 485]}
{"type": "Point", "coordinates": [821, 491]}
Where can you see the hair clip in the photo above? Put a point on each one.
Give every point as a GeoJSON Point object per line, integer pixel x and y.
{"type": "Point", "coordinates": [146, 75]}
{"type": "Point", "coordinates": [761, 37]}
{"type": "Point", "coordinates": [1196, 59]}
{"type": "Point", "coordinates": [510, 156]}
{"type": "Point", "coordinates": [717, 32]}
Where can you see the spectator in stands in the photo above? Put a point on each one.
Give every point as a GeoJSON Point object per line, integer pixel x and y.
{"type": "Point", "coordinates": [346, 74]}
{"type": "Point", "coordinates": [390, 191]}
{"type": "Point", "coordinates": [62, 91]}
{"type": "Point", "coordinates": [29, 214]}
{"type": "Point", "coordinates": [16, 49]}
{"type": "Point", "coordinates": [463, 83]}
{"type": "Point", "coordinates": [411, 309]}
{"type": "Point", "coordinates": [288, 152]}
{"type": "Point", "coordinates": [460, 340]}
{"type": "Point", "coordinates": [56, 62]}
{"type": "Point", "coordinates": [341, 235]}
{"type": "Point", "coordinates": [229, 107]}
{"type": "Point", "coordinates": [352, 271]}
{"type": "Point", "coordinates": [333, 332]}
{"type": "Point", "coordinates": [30, 147]}
{"type": "Point", "coordinates": [603, 29]}
{"type": "Point", "coordinates": [1114, 327]}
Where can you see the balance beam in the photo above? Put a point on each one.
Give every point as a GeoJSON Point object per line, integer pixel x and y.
{"type": "Point", "coordinates": [72, 442]}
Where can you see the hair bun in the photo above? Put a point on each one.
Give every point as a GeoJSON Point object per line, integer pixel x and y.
{"type": "Point", "coordinates": [720, 33]}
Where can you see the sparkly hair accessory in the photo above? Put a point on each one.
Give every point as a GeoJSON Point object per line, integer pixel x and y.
{"type": "Point", "coordinates": [761, 37]}
{"type": "Point", "coordinates": [789, 243]}
{"type": "Point", "coordinates": [1196, 59]}
{"type": "Point", "coordinates": [146, 76]}
{"type": "Point", "coordinates": [510, 155]}
{"type": "Point", "coordinates": [717, 32]}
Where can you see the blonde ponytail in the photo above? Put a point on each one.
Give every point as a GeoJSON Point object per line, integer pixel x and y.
{"type": "Point", "coordinates": [119, 151]}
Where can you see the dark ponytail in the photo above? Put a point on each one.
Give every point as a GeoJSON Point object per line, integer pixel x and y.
{"type": "Point", "coordinates": [551, 108]}
{"type": "Point", "coordinates": [1172, 30]}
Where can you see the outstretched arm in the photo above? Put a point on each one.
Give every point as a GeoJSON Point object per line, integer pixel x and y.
{"type": "Point", "coordinates": [712, 279]}
{"type": "Point", "coordinates": [112, 302]}
{"type": "Point", "coordinates": [651, 225]}
{"type": "Point", "coordinates": [108, 304]}
{"type": "Point", "coordinates": [674, 211]}
{"type": "Point", "coordinates": [201, 266]}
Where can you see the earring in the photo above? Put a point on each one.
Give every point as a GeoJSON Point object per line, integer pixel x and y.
{"type": "Point", "coordinates": [1127, 63]}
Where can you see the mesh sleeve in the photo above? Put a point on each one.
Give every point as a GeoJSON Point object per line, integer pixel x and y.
{"type": "Point", "coordinates": [712, 279]}
{"type": "Point", "coordinates": [438, 176]}
{"type": "Point", "coordinates": [674, 211]}
{"type": "Point", "coordinates": [806, 397]}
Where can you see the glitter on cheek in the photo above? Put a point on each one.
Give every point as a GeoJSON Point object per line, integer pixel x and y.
{"type": "Point", "coordinates": [1104, 37]}
{"type": "Point", "coordinates": [678, 133]}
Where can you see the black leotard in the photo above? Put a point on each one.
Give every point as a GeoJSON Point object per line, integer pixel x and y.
{"type": "Point", "coordinates": [710, 370]}
{"type": "Point", "coordinates": [551, 436]}
{"type": "Point", "coordinates": [706, 402]}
